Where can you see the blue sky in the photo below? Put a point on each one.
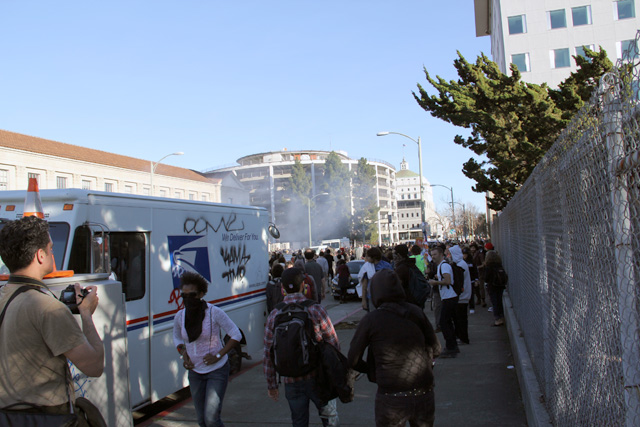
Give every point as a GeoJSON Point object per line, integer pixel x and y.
{"type": "Point", "coordinates": [221, 80]}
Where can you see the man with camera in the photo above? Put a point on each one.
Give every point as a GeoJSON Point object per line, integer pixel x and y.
{"type": "Point", "coordinates": [39, 333]}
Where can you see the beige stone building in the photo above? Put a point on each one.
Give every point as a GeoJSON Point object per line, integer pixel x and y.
{"type": "Point", "coordinates": [60, 165]}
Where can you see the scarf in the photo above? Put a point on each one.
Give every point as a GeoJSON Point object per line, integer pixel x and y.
{"type": "Point", "coordinates": [194, 311]}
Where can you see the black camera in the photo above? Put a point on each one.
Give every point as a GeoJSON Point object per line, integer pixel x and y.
{"type": "Point", "coordinates": [68, 298]}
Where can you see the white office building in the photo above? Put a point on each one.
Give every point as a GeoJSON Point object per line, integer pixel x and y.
{"type": "Point", "coordinates": [541, 37]}
{"type": "Point", "coordinates": [57, 165]}
{"type": "Point", "coordinates": [266, 176]}
{"type": "Point", "coordinates": [410, 225]}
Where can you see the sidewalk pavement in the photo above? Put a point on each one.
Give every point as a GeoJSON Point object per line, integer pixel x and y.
{"type": "Point", "coordinates": [478, 388]}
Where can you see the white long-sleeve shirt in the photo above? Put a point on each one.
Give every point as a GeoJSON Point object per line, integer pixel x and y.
{"type": "Point", "coordinates": [209, 341]}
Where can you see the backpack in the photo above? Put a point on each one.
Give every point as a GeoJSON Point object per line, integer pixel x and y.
{"type": "Point", "coordinates": [458, 277]}
{"type": "Point", "coordinates": [308, 289]}
{"type": "Point", "coordinates": [419, 287]}
{"type": "Point", "coordinates": [295, 350]}
{"type": "Point", "coordinates": [500, 278]}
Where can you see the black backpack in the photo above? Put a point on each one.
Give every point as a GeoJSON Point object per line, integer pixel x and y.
{"type": "Point", "coordinates": [295, 350]}
{"type": "Point", "coordinates": [419, 288]}
{"type": "Point", "coordinates": [458, 277]}
{"type": "Point", "coordinates": [500, 277]}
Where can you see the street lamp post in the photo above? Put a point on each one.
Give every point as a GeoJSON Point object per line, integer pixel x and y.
{"type": "Point", "coordinates": [155, 165]}
{"type": "Point", "coordinates": [309, 212]}
{"type": "Point", "coordinates": [453, 208]}
{"type": "Point", "coordinates": [419, 142]}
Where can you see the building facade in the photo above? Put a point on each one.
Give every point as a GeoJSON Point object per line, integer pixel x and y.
{"type": "Point", "coordinates": [59, 165]}
{"type": "Point", "coordinates": [541, 37]}
{"type": "Point", "coordinates": [267, 176]}
{"type": "Point", "coordinates": [408, 199]}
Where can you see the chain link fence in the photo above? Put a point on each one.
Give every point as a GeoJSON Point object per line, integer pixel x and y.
{"type": "Point", "coordinates": [570, 241]}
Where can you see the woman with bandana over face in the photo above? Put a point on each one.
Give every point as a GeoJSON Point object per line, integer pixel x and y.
{"type": "Point", "coordinates": [196, 334]}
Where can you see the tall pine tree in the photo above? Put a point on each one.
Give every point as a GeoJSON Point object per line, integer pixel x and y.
{"type": "Point", "coordinates": [512, 123]}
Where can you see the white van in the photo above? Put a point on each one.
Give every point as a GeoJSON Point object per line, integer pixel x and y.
{"type": "Point", "coordinates": [150, 242]}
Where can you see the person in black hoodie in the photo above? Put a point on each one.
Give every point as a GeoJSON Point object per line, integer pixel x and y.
{"type": "Point", "coordinates": [403, 265]}
{"type": "Point", "coordinates": [402, 346]}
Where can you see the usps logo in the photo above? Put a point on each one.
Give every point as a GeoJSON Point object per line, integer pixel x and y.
{"type": "Point", "coordinates": [189, 253]}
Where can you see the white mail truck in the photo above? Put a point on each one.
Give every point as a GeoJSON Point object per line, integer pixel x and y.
{"type": "Point", "coordinates": [147, 242]}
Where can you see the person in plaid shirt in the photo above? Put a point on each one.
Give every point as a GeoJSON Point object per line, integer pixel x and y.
{"type": "Point", "coordinates": [299, 391]}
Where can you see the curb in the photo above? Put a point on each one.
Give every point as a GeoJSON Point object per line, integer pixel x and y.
{"type": "Point", "coordinates": [532, 396]}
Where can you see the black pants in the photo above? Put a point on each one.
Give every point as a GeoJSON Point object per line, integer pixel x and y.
{"type": "Point", "coordinates": [462, 323]}
{"type": "Point", "coordinates": [393, 411]}
{"type": "Point", "coordinates": [447, 317]}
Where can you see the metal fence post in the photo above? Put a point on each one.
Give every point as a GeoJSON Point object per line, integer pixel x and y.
{"type": "Point", "coordinates": [622, 226]}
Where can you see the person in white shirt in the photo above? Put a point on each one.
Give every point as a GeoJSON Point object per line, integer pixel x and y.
{"type": "Point", "coordinates": [461, 320]}
{"type": "Point", "coordinates": [444, 280]}
{"type": "Point", "coordinates": [196, 334]}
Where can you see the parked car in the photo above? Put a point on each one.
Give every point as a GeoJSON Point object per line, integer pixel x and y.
{"type": "Point", "coordinates": [354, 268]}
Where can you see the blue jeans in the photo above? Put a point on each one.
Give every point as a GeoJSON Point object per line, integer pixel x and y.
{"type": "Point", "coordinates": [299, 394]}
{"type": "Point", "coordinates": [496, 301]}
{"type": "Point", "coordinates": [207, 391]}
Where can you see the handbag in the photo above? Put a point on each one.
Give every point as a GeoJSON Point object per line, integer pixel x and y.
{"type": "Point", "coordinates": [86, 413]}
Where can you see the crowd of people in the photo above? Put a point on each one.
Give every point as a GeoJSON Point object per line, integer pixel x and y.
{"type": "Point", "coordinates": [396, 331]}
{"type": "Point", "coordinates": [301, 347]}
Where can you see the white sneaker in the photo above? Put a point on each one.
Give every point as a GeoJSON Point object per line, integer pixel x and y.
{"type": "Point", "coordinates": [490, 309]}
{"type": "Point", "coordinates": [472, 311]}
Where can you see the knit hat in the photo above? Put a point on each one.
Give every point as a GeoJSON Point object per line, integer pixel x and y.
{"type": "Point", "coordinates": [488, 246]}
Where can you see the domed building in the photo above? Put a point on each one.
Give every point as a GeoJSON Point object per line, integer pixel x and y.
{"type": "Point", "coordinates": [267, 178]}
{"type": "Point", "coordinates": [410, 225]}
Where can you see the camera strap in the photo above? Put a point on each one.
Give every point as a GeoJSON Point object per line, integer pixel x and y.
{"type": "Point", "coordinates": [20, 290]}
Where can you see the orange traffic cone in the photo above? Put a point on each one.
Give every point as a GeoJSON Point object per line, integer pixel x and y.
{"type": "Point", "coordinates": [33, 207]}
{"type": "Point", "coordinates": [32, 202]}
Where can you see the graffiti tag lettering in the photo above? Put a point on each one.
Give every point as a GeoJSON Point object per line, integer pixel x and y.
{"type": "Point", "coordinates": [235, 260]}
{"type": "Point", "coordinates": [80, 380]}
{"type": "Point", "coordinates": [176, 298]}
{"type": "Point", "coordinates": [201, 225]}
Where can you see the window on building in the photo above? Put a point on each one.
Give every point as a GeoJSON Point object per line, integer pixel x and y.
{"type": "Point", "coordinates": [625, 9]}
{"type": "Point", "coordinates": [4, 179]}
{"type": "Point", "coordinates": [628, 49]}
{"type": "Point", "coordinates": [61, 182]}
{"type": "Point", "coordinates": [560, 58]}
{"type": "Point", "coordinates": [163, 193]}
{"type": "Point", "coordinates": [557, 19]}
{"type": "Point", "coordinates": [521, 60]}
{"type": "Point", "coordinates": [128, 189]}
{"type": "Point", "coordinates": [108, 187]}
{"type": "Point", "coordinates": [192, 196]}
{"type": "Point", "coordinates": [204, 197]}
{"type": "Point", "coordinates": [517, 24]}
{"type": "Point", "coordinates": [146, 191]}
{"type": "Point", "coordinates": [580, 51]}
{"type": "Point", "coordinates": [177, 195]}
{"type": "Point", "coordinates": [86, 184]}
{"type": "Point", "coordinates": [581, 15]}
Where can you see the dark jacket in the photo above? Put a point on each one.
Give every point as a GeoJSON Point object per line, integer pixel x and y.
{"type": "Point", "coordinates": [274, 293]}
{"type": "Point", "coordinates": [403, 268]}
{"type": "Point", "coordinates": [399, 336]}
{"type": "Point", "coordinates": [334, 378]}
